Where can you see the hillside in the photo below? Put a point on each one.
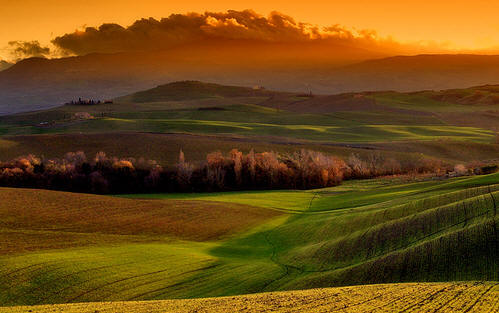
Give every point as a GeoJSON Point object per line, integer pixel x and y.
{"type": "Point", "coordinates": [35, 84]}
{"type": "Point", "coordinates": [195, 221]}
{"type": "Point", "coordinates": [193, 90]}
{"type": "Point", "coordinates": [363, 232]}
{"type": "Point", "coordinates": [458, 297]}
{"type": "Point", "coordinates": [200, 118]}
{"type": "Point", "coordinates": [421, 72]}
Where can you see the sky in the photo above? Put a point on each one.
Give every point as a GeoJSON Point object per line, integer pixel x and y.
{"type": "Point", "coordinates": [455, 24]}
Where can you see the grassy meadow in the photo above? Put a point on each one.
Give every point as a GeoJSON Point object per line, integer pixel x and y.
{"type": "Point", "coordinates": [433, 239]}
{"type": "Point", "coordinates": [67, 248]}
{"type": "Point", "coordinates": [250, 120]}
{"type": "Point", "coordinates": [200, 118]}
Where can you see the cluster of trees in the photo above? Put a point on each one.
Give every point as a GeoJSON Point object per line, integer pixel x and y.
{"type": "Point", "coordinates": [233, 171]}
{"type": "Point", "coordinates": [81, 101]}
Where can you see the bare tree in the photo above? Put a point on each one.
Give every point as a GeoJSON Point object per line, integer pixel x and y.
{"type": "Point", "coordinates": [237, 158]}
{"type": "Point", "coordinates": [359, 167]}
{"type": "Point", "coordinates": [184, 171]}
{"type": "Point", "coordinates": [251, 164]}
{"type": "Point", "coordinates": [215, 171]}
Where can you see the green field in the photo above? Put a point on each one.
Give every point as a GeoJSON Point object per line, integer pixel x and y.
{"type": "Point", "coordinates": [201, 107]}
{"type": "Point", "coordinates": [200, 118]}
{"type": "Point", "coordinates": [168, 246]}
{"type": "Point", "coordinates": [252, 120]}
{"type": "Point", "coordinates": [58, 247]}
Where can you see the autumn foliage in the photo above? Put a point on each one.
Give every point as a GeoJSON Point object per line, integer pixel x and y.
{"type": "Point", "coordinates": [233, 171]}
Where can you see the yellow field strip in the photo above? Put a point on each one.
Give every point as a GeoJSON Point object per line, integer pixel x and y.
{"type": "Point", "coordinates": [412, 297]}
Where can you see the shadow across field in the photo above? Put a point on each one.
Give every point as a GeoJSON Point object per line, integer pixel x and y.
{"type": "Point", "coordinates": [193, 246]}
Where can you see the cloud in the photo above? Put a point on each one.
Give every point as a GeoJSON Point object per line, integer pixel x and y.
{"type": "Point", "coordinates": [224, 28]}
{"type": "Point", "coordinates": [27, 49]}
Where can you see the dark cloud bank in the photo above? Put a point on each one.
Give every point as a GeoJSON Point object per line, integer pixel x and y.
{"type": "Point", "coordinates": [23, 49]}
{"type": "Point", "coordinates": [228, 28]}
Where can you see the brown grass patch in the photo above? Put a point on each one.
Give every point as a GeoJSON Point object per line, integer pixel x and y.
{"type": "Point", "coordinates": [34, 219]}
{"type": "Point", "coordinates": [163, 148]}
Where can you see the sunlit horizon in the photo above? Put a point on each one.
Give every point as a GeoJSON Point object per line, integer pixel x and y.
{"type": "Point", "coordinates": [443, 26]}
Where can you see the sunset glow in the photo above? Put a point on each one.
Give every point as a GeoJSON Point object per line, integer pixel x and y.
{"type": "Point", "coordinates": [249, 156]}
{"type": "Point", "coordinates": [445, 24]}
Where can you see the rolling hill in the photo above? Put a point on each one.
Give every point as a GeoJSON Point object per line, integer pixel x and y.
{"type": "Point", "coordinates": [202, 117]}
{"type": "Point", "coordinates": [35, 84]}
{"type": "Point", "coordinates": [363, 232]}
{"type": "Point", "coordinates": [194, 90]}
{"type": "Point", "coordinates": [233, 162]}
{"type": "Point", "coordinates": [58, 247]}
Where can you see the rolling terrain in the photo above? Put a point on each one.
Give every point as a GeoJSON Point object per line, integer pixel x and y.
{"type": "Point", "coordinates": [200, 118]}
{"type": "Point", "coordinates": [236, 162]}
{"type": "Point", "coordinates": [444, 297]}
{"type": "Point", "coordinates": [36, 83]}
{"type": "Point", "coordinates": [69, 248]}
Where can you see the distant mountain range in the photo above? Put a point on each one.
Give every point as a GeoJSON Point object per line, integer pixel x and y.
{"type": "Point", "coordinates": [421, 72]}
{"type": "Point", "coordinates": [37, 83]}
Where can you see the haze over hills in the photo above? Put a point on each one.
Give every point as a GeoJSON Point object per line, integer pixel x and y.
{"type": "Point", "coordinates": [421, 72]}
{"type": "Point", "coordinates": [37, 83]}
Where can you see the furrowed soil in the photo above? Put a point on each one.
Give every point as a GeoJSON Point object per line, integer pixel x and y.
{"type": "Point", "coordinates": [422, 297]}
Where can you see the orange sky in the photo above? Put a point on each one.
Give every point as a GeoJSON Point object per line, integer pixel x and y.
{"type": "Point", "coordinates": [461, 23]}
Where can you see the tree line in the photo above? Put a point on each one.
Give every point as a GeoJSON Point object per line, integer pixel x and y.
{"type": "Point", "coordinates": [236, 170]}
